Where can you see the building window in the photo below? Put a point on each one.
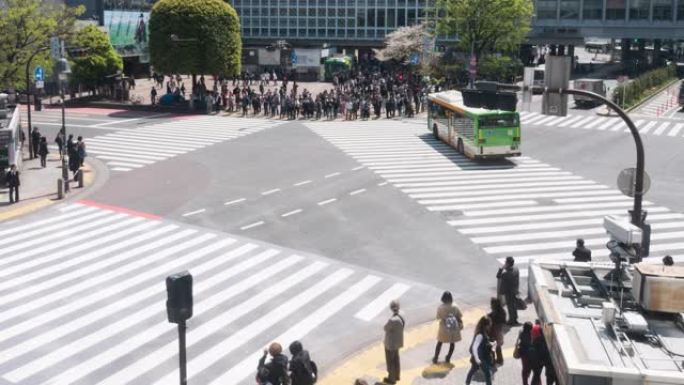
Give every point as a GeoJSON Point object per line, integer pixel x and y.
{"type": "Point", "coordinates": [569, 9]}
{"type": "Point", "coordinates": [662, 9]}
{"type": "Point", "coordinates": [680, 10]}
{"type": "Point", "coordinates": [546, 9]}
{"type": "Point", "coordinates": [361, 18]}
{"type": "Point", "coordinates": [411, 18]}
{"type": "Point", "coordinates": [381, 19]}
{"type": "Point", "coordinates": [391, 14]}
{"type": "Point", "coordinates": [593, 9]}
{"type": "Point", "coordinates": [401, 17]}
{"type": "Point", "coordinates": [638, 9]}
{"type": "Point", "coordinates": [615, 9]}
{"type": "Point", "coordinates": [370, 16]}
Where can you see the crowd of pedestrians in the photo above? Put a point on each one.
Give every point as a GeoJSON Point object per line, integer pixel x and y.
{"type": "Point", "coordinates": [363, 94]}
{"type": "Point", "coordinates": [279, 370]}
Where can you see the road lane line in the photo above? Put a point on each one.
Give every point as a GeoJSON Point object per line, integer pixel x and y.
{"type": "Point", "coordinates": [302, 183]}
{"type": "Point", "coordinates": [359, 191]}
{"type": "Point", "coordinates": [269, 192]}
{"type": "Point", "coordinates": [379, 304]}
{"type": "Point", "coordinates": [358, 168]}
{"type": "Point", "coordinates": [332, 175]}
{"type": "Point", "coordinates": [255, 224]}
{"type": "Point", "coordinates": [131, 120]}
{"type": "Point", "coordinates": [661, 128]}
{"type": "Point", "coordinates": [293, 212]}
{"type": "Point", "coordinates": [675, 130]}
{"type": "Point", "coordinates": [191, 213]}
{"type": "Point", "coordinates": [325, 202]}
{"type": "Point", "coordinates": [382, 183]}
{"type": "Point", "coordinates": [645, 129]}
{"type": "Point", "coordinates": [235, 201]}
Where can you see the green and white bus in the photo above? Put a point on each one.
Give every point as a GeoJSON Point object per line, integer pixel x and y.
{"type": "Point", "coordinates": [477, 133]}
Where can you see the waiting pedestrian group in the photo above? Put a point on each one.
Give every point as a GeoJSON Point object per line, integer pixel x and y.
{"type": "Point", "coordinates": [299, 370]}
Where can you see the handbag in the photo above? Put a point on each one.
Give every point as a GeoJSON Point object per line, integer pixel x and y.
{"type": "Point", "coordinates": [520, 303]}
{"type": "Point", "coordinates": [516, 351]}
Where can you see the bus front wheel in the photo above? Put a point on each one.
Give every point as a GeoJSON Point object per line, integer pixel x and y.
{"type": "Point", "coordinates": [434, 131]}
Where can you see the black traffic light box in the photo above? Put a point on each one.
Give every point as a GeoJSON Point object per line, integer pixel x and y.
{"type": "Point", "coordinates": [179, 297]}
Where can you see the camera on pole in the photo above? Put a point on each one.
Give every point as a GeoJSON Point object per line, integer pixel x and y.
{"type": "Point", "coordinates": [179, 310]}
{"type": "Point", "coordinates": [556, 77]}
{"type": "Point", "coordinates": [626, 239]}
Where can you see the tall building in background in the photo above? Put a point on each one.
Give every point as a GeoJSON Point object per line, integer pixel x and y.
{"type": "Point", "coordinates": [348, 23]}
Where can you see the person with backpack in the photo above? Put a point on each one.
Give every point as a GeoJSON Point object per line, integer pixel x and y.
{"type": "Point", "coordinates": [262, 377]}
{"type": "Point", "coordinates": [276, 367]}
{"type": "Point", "coordinates": [498, 317]}
{"type": "Point", "coordinates": [450, 326]}
{"type": "Point", "coordinates": [303, 371]}
{"type": "Point", "coordinates": [481, 352]}
{"type": "Point", "coordinates": [522, 351]}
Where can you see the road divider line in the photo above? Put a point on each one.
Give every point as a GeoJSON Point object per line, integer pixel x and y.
{"type": "Point", "coordinates": [382, 184]}
{"type": "Point", "coordinates": [359, 191]}
{"type": "Point", "coordinates": [332, 175]}
{"type": "Point", "coordinates": [235, 201]}
{"type": "Point", "coordinates": [358, 168]}
{"type": "Point", "coordinates": [191, 213]}
{"type": "Point", "coordinates": [325, 202]}
{"type": "Point", "coordinates": [302, 183]}
{"type": "Point", "coordinates": [269, 192]}
{"type": "Point", "coordinates": [252, 225]}
{"type": "Point", "coordinates": [293, 212]}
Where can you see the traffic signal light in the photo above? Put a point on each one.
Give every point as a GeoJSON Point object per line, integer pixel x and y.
{"type": "Point", "coordinates": [179, 297]}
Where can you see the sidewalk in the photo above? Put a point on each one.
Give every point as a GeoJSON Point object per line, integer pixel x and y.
{"type": "Point", "coordinates": [39, 186]}
{"type": "Point", "coordinates": [416, 356]}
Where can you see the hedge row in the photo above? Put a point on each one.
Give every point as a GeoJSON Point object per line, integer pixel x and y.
{"type": "Point", "coordinates": [643, 86]}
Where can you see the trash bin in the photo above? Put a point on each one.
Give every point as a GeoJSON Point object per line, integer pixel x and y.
{"type": "Point", "coordinates": [38, 103]}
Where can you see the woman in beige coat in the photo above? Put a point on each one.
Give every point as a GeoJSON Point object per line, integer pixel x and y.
{"type": "Point", "coordinates": [450, 326]}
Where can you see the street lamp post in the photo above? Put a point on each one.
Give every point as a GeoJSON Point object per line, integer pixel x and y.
{"type": "Point", "coordinates": [28, 98]}
{"type": "Point", "coordinates": [64, 70]}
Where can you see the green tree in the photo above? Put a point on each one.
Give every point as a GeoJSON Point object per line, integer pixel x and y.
{"type": "Point", "coordinates": [96, 57]}
{"type": "Point", "coordinates": [195, 37]}
{"type": "Point", "coordinates": [26, 27]}
{"type": "Point", "coordinates": [485, 26]}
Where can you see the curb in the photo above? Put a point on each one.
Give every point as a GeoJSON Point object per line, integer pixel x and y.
{"type": "Point", "coordinates": [652, 96]}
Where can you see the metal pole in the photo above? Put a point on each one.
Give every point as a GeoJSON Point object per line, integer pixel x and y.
{"type": "Point", "coordinates": [637, 217]}
{"type": "Point", "coordinates": [181, 353]}
{"type": "Point", "coordinates": [65, 169]}
{"type": "Point", "coordinates": [28, 106]}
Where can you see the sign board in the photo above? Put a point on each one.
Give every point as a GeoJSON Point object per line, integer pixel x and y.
{"type": "Point", "coordinates": [294, 58]}
{"type": "Point", "coordinates": [627, 181]}
{"type": "Point", "coordinates": [55, 48]}
{"type": "Point", "coordinates": [528, 83]}
{"type": "Point", "coordinates": [268, 58]}
{"type": "Point", "coordinates": [38, 73]}
{"type": "Point", "coordinates": [414, 59]}
{"type": "Point", "coordinates": [307, 57]}
{"type": "Point", "coordinates": [40, 84]}
{"type": "Point", "coordinates": [556, 76]}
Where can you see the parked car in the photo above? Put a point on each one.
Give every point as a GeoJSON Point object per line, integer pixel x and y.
{"type": "Point", "coordinates": [592, 85]}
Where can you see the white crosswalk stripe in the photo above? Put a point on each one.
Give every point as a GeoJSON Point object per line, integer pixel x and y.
{"type": "Point", "coordinates": [128, 150]}
{"type": "Point", "coordinates": [83, 299]}
{"type": "Point", "coordinates": [655, 126]}
{"type": "Point", "coordinates": [519, 206]}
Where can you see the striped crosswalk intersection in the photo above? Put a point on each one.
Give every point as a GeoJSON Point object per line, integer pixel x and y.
{"type": "Point", "coordinates": [127, 150]}
{"type": "Point", "coordinates": [653, 126]}
{"type": "Point", "coordinates": [83, 299]}
{"type": "Point", "coordinates": [521, 207]}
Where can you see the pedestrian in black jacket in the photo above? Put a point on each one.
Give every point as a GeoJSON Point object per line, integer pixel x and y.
{"type": "Point", "coordinates": [509, 283]}
{"type": "Point", "coordinates": [13, 183]}
{"type": "Point", "coordinates": [43, 151]}
{"type": "Point", "coordinates": [277, 366]}
{"type": "Point", "coordinates": [35, 141]}
{"type": "Point", "coordinates": [303, 371]}
{"type": "Point", "coordinates": [581, 253]}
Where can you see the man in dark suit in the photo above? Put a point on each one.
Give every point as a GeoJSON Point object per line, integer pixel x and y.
{"type": "Point", "coordinates": [581, 253]}
{"type": "Point", "coordinates": [13, 182]}
{"type": "Point", "coordinates": [509, 284]}
{"type": "Point", "coordinates": [394, 340]}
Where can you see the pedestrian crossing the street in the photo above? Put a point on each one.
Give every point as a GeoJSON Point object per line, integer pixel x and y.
{"type": "Point", "coordinates": [520, 206]}
{"type": "Point", "coordinates": [127, 150]}
{"type": "Point", "coordinates": [653, 127]}
{"type": "Point", "coordinates": [83, 299]}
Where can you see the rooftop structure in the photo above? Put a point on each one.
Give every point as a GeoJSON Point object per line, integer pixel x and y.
{"type": "Point", "coordinates": [611, 325]}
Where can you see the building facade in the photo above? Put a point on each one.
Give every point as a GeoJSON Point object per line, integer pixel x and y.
{"type": "Point", "coordinates": [337, 22]}
{"type": "Point", "coordinates": [573, 20]}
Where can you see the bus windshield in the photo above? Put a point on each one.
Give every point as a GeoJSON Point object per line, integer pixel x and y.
{"type": "Point", "coordinates": [503, 120]}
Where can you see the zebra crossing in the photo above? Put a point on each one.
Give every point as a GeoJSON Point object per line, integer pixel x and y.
{"type": "Point", "coordinates": [127, 150]}
{"type": "Point", "coordinates": [83, 299]}
{"type": "Point", "coordinates": [521, 206]}
{"type": "Point", "coordinates": [613, 124]}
